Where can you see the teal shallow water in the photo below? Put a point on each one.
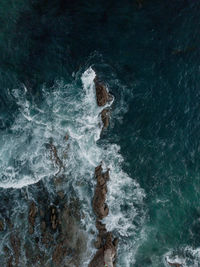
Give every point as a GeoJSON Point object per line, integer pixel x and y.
{"type": "Point", "coordinates": [149, 58]}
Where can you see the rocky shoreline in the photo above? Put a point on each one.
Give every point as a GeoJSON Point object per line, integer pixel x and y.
{"type": "Point", "coordinates": [52, 220]}
{"type": "Point", "coordinates": [105, 244]}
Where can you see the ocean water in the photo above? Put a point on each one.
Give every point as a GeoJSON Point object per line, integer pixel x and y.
{"type": "Point", "coordinates": [147, 53]}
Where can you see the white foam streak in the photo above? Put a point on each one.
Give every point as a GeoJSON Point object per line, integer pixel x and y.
{"type": "Point", "coordinates": [186, 256]}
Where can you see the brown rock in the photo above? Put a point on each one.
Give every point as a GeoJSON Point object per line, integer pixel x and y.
{"type": "Point", "coordinates": [1, 226]}
{"type": "Point", "coordinates": [54, 218]}
{"type": "Point", "coordinates": [111, 244]}
{"type": "Point", "coordinates": [9, 263]}
{"type": "Point", "coordinates": [43, 226]}
{"type": "Point", "coordinates": [107, 247]}
{"type": "Point", "coordinates": [59, 254]}
{"type": "Point", "coordinates": [15, 244]}
{"type": "Point", "coordinates": [102, 95]}
{"type": "Point", "coordinates": [98, 242]}
{"type": "Point", "coordinates": [98, 260]}
{"type": "Point", "coordinates": [31, 217]}
{"type": "Point", "coordinates": [175, 264]}
{"type": "Point", "coordinates": [47, 239]}
{"type": "Point", "coordinates": [99, 206]}
{"type": "Point", "coordinates": [61, 194]}
{"type": "Point", "coordinates": [54, 157]}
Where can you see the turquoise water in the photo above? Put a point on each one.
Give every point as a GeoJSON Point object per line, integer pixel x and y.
{"type": "Point", "coordinates": [148, 57]}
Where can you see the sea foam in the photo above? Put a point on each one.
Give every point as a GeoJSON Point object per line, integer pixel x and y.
{"type": "Point", "coordinates": [71, 109]}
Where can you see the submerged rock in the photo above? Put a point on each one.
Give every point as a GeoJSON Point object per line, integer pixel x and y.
{"type": "Point", "coordinates": [15, 244]}
{"type": "Point", "coordinates": [31, 217]}
{"type": "Point", "coordinates": [54, 218]}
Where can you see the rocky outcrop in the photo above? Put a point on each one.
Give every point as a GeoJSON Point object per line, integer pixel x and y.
{"type": "Point", "coordinates": [110, 250]}
{"type": "Point", "coordinates": [106, 254]}
{"type": "Point", "coordinates": [102, 94]}
{"type": "Point", "coordinates": [103, 97]}
{"type": "Point", "coordinates": [107, 247]}
{"type": "Point", "coordinates": [100, 207]}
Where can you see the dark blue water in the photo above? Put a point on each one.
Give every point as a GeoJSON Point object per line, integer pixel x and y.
{"type": "Point", "coordinates": [148, 54]}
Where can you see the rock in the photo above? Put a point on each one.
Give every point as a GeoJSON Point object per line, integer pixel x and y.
{"type": "Point", "coordinates": [61, 194]}
{"type": "Point", "coordinates": [111, 244]}
{"type": "Point", "coordinates": [99, 206]}
{"type": "Point", "coordinates": [9, 263]}
{"type": "Point", "coordinates": [174, 264]}
{"type": "Point", "coordinates": [102, 94]}
{"type": "Point", "coordinates": [59, 253]}
{"type": "Point", "coordinates": [54, 157]}
{"type": "Point", "coordinates": [139, 3]}
{"type": "Point", "coordinates": [105, 254]}
{"type": "Point", "coordinates": [15, 244]}
{"type": "Point", "coordinates": [1, 226]}
{"type": "Point", "coordinates": [54, 218]}
{"type": "Point", "coordinates": [101, 227]}
{"type": "Point", "coordinates": [98, 260]}
{"type": "Point", "coordinates": [47, 239]}
{"type": "Point", "coordinates": [105, 118]}
{"type": "Point", "coordinates": [66, 137]}
{"type": "Point", "coordinates": [98, 242]}
{"type": "Point", "coordinates": [31, 217]}
{"type": "Point", "coordinates": [43, 226]}
{"type": "Point", "coordinates": [9, 257]}
{"type": "Point", "coordinates": [107, 247]}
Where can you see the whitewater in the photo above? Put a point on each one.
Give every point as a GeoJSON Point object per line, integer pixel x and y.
{"type": "Point", "coordinates": [71, 110]}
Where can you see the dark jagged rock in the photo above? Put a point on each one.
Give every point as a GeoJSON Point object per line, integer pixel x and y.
{"type": "Point", "coordinates": [1, 226]}
{"type": "Point", "coordinates": [31, 217]}
{"type": "Point", "coordinates": [107, 247]}
{"type": "Point", "coordinates": [103, 97]}
{"type": "Point", "coordinates": [102, 94]}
